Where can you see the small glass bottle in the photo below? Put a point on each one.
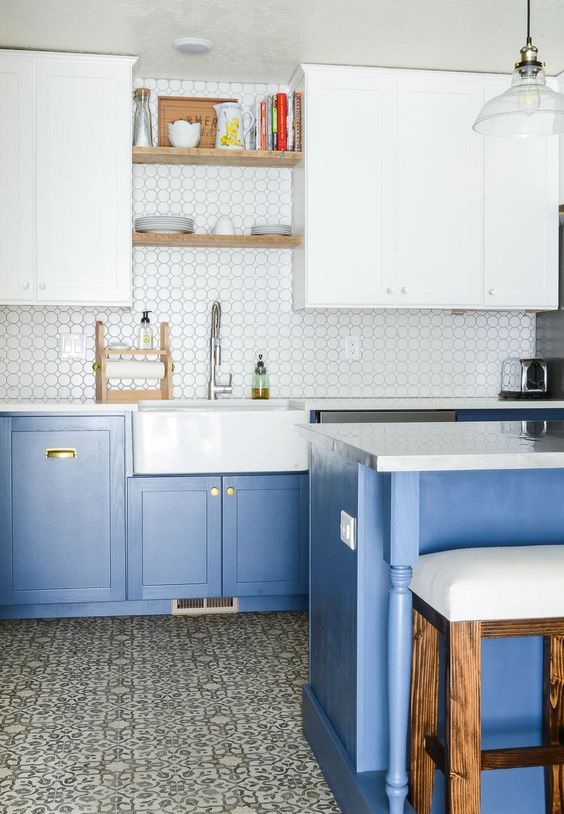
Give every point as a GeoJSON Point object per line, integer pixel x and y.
{"type": "Point", "coordinates": [142, 127]}
{"type": "Point", "coordinates": [145, 333]}
{"type": "Point", "coordinates": [260, 386]}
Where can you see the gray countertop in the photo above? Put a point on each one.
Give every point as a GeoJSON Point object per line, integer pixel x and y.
{"type": "Point", "coordinates": [425, 447]}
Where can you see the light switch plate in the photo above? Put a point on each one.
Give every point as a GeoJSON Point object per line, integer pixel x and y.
{"type": "Point", "coordinates": [348, 530]}
{"type": "Point", "coordinates": [72, 346]}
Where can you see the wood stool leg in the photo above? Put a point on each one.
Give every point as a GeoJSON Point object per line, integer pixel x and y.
{"type": "Point", "coordinates": [424, 711]}
{"type": "Point", "coordinates": [554, 718]}
{"type": "Point", "coordinates": [463, 717]}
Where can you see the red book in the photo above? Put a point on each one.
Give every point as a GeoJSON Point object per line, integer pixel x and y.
{"type": "Point", "coordinates": [282, 123]}
{"type": "Point", "coordinates": [263, 125]}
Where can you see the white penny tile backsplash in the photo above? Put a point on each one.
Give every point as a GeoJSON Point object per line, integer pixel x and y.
{"type": "Point", "coordinates": [403, 353]}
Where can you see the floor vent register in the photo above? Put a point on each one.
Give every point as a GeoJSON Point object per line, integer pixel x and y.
{"type": "Point", "coordinates": [195, 607]}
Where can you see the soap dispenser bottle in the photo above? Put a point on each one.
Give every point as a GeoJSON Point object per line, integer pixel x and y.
{"type": "Point", "coordinates": [260, 385]}
{"type": "Point", "coordinates": [145, 335]}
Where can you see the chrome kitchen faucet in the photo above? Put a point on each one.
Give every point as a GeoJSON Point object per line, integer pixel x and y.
{"type": "Point", "coordinates": [214, 388]}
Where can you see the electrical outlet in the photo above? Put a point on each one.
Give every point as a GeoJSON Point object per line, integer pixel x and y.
{"type": "Point", "coordinates": [348, 530]}
{"type": "Point", "coordinates": [352, 348]}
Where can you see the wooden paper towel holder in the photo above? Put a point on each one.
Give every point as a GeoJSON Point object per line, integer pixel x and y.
{"type": "Point", "coordinates": [106, 396]}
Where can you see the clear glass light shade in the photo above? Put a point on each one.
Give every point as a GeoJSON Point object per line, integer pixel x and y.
{"type": "Point", "coordinates": [527, 108]}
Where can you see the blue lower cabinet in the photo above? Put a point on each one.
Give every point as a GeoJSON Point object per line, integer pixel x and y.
{"type": "Point", "coordinates": [62, 507]}
{"type": "Point", "coordinates": [265, 535]}
{"type": "Point", "coordinates": [174, 537]}
{"type": "Point", "coordinates": [217, 536]}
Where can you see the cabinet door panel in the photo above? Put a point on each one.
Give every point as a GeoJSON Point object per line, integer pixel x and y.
{"type": "Point", "coordinates": [520, 219]}
{"type": "Point", "coordinates": [350, 188]}
{"type": "Point", "coordinates": [17, 209]}
{"type": "Point", "coordinates": [439, 192]}
{"type": "Point", "coordinates": [67, 537]}
{"type": "Point", "coordinates": [83, 181]}
{"type": "Point", "coordinates": [265, 535]}
{"type": "Point", "coordinates": [174, 538]}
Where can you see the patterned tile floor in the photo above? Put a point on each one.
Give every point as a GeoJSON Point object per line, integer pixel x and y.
{"type": "Point", "coordinates": [156, 715]}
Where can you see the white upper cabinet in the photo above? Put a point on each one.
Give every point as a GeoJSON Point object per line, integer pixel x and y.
{"type": "Point", "coordinates": [520, 219]}
{"type": "Point", "coordinates": [439, 191]}
{"type": "Point", "coordinates": [83, 181]}
{"type": "Point", "coordinates": [17, 210]}
{"type": "Point", "coordinates": [403, 205]}
{"type": "Point", "coordinates": [77, 151]}
{"type": "Point", "coordinates": [349, 254]}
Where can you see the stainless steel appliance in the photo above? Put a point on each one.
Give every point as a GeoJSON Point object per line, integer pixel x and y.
{"type": "Point", "coordinates": [524, 378]}
{"type": "Point", "coordinates": [383, 416]}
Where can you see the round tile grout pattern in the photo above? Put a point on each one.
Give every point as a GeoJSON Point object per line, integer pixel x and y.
{"type": "Point", "coordinates": [403, 353]}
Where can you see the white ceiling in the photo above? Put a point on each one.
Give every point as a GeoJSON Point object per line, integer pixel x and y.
{"type": "Point", "coordinates": [264, 40]}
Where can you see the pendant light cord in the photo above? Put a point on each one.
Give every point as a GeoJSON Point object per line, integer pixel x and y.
{"type": "Point", "coordinates": [529, 40]}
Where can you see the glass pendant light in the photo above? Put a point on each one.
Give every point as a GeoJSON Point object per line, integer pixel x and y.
{"type": "Point", "coordinates": [528, 107]}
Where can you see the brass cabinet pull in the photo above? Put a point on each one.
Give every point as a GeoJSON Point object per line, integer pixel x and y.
{"type": "Point", "coordinates": [61, 452]}
{"type": "Point", "coordinates": [214, 491]}
{"type": "Point", "coordinates": [230, 491]}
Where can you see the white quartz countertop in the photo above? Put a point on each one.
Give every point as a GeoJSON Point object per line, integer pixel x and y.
{"type": "Point", "coordinates": [342, 404]}
{"type": "Point", "coordinates": [427, 447]}
{"type": "Point", "coordinates": [458, 403]}
{"type": "Point", "coordinates": [87, 407]}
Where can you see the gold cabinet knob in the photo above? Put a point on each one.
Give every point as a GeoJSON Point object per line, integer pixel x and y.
{"type": "Point", "coordinates": [230, 491]}
{"type": "Point", "coordinates": [214, 491]}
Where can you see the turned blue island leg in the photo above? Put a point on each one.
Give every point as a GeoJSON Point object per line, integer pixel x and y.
{"type": "Point", "coordinates": [399, 672]}
{"type": "Point", "coordinates": [401, 553]}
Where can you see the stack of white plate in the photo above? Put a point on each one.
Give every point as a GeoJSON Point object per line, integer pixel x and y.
{"type": "Point", "coordinates": [164, 223]}
{"type": "Point", "coordinates": [271, 229]}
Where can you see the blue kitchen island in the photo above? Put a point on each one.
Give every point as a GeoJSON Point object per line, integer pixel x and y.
{"type": "Point", "coordinates": [381, 495]}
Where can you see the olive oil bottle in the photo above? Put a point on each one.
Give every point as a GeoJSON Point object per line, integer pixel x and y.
{"type": "Point", "coordinates": [260, 387]}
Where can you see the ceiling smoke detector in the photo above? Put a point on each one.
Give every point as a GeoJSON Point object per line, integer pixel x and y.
{"type": "Point", "coordinates": [193, 45]}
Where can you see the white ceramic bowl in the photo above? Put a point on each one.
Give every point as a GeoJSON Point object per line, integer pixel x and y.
{"type": "Point", "coordinates": [184, 134]}
{"type": "Point", "coordinates": [224, 226]}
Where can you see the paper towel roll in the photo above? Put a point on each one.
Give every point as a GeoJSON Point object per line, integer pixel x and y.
{"type": "Point", "coordinates": [120, 369]}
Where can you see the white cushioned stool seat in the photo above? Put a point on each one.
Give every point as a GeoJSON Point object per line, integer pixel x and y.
{"type": "Point", "coordinates": [516, 582]}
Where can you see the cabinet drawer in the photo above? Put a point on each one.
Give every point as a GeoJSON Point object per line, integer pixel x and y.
{"type": "Point", "coordinates": [66, 485]}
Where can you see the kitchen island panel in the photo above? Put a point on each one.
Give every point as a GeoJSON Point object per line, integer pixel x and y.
{"type": "Point", "coordinates": [454, 509]}
{"type": "Point", "coordinates": [490, 508]}
{"type": "Point", "coordinates": [333, 602]}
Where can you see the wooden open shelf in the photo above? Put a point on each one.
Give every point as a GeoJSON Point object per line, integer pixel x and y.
{"type": "Point", "coordinates": [212, 157]}
{"type": "Point", "coordinates": [136, 352]}
{"type": "Point", "coordinates": [217, 241]}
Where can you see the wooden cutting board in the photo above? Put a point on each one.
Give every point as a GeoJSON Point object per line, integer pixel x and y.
{"type": "Point", "coordinates": [191, 109]}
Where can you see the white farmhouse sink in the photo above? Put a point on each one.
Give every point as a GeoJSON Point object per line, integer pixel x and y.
{"type": "Point", "coordinates": [229, 435]}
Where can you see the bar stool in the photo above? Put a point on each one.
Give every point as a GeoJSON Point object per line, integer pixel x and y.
{"type": "Point", "coordinates": [469, 595]}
